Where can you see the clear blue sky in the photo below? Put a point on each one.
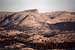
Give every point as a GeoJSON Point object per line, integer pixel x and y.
{"type": "Point", "coordinates": [18, 5]}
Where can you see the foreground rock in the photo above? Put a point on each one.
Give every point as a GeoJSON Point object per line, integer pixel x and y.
{"type": "Point", "coordinates": [31, 30]}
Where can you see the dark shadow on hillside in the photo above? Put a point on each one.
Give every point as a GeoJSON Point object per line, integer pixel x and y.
{"type": "Point", "coordinates": [66, 26]}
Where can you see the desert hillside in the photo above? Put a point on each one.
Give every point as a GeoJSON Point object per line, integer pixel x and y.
{"type": "Point", "coordinates": [31, 30]}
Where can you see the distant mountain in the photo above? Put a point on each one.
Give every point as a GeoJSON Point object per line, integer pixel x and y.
{"type": "Point", "coordinates": [50, 17]}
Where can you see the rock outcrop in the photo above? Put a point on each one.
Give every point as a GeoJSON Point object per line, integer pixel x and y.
{"type": "Point", "coordinates": [31, 30]}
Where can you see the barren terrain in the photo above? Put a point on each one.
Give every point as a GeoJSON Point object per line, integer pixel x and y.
{"type": "Point", "coordinates": [31, 30]}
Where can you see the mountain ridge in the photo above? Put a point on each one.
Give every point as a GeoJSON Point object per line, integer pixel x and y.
{"type": "Point", "coordinates": [31, 29]}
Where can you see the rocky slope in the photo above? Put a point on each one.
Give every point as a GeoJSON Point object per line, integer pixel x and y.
{"type": "Point", "coordinates": [31, 30]}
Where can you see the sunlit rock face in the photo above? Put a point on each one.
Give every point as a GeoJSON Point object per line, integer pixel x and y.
{"type": "Point", "coordinates": [59, 20]}
{"type": "Point", "coordinates": [17, 18]}
{"type": "Point", "coordinates": [40, 29]}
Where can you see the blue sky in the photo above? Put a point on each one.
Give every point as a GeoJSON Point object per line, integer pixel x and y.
{"type": "Point", "coordinates": [20, 5]}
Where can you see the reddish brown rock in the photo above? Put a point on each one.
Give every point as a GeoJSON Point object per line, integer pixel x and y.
{"type": "Point", "coordinates": [35, 30]}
